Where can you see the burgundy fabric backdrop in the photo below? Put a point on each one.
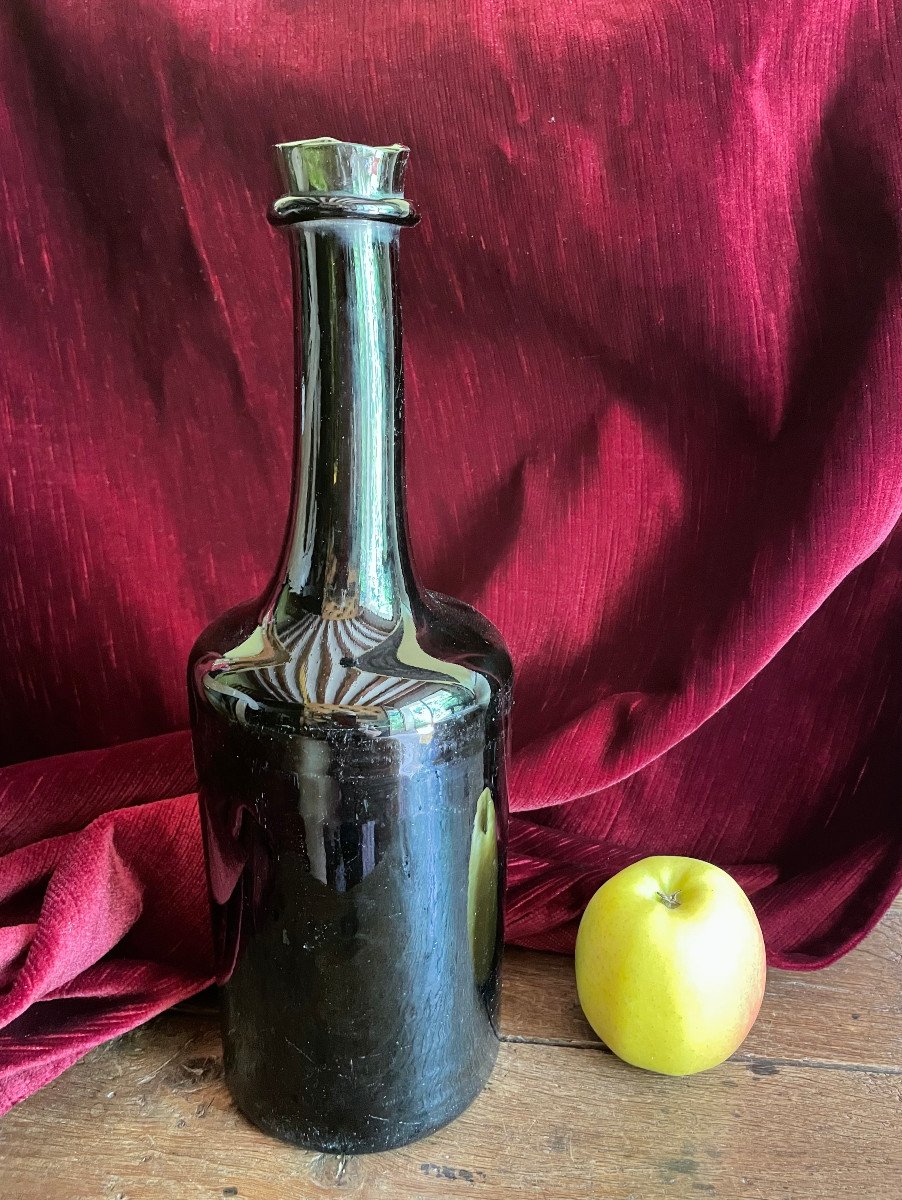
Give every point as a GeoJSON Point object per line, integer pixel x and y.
{"type": "Point", "coordinates": [654, 327]}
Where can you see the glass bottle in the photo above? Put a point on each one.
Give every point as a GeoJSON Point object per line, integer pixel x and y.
{"type": "Point", "coordinates": [349, 735]}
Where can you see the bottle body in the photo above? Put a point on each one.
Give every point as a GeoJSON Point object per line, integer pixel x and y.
{"type": "Point", "coordinates": [350, 737]}
{"type": "Point", "coordinates": [357, 884]}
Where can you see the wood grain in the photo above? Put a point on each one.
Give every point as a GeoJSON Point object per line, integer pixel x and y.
{"type": "Point", "coordinates": [810, 1110]}
{"type": "Point", "coordinates": [151, 1118]}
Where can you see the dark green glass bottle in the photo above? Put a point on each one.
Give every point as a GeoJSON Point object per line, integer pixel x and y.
{"type": "Point", "coordinates": [349, 735]}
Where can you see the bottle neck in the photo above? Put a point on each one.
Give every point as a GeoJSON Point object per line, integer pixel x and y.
{"type": "Point", "coordinates": [346, 551]}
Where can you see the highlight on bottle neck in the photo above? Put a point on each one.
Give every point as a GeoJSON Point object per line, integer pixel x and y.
{"type": "Point", "coordinates": [326, 179]}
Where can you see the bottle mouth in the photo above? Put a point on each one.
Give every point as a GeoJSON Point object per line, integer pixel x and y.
{"type": "Point", "coordinates": [328, 179]}
{"type": "Point", "coordinates": [325, 166]}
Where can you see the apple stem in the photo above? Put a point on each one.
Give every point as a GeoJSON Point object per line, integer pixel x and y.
{"type": "Point", "coordinates": [669, 899]}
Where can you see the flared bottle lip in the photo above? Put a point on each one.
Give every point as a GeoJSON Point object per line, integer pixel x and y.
{"type": "Point", "coordinates": [331, 141]}
{"type": "Point", "coordinates": [327, 166]}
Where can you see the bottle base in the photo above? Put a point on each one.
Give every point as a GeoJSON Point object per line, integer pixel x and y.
{"type": "Point", "coordinates": [382, 1134]}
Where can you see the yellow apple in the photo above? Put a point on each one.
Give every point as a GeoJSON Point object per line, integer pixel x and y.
{"type": "Point", "coordinates": [670, 965]}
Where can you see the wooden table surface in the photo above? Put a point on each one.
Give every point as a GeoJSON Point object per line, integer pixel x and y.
{"type": "Point", "coordinates": [810, 1107]}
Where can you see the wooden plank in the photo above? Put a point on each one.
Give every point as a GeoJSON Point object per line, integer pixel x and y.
{"type": "Point", "coordinates": [149, 1119]}
{"type": "Point", "coordinates": [808, 1111]}
{"type": "Point", "coordinates": [850, 1012]}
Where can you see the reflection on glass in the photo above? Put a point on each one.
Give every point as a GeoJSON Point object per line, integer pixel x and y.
{"type": "Point", "coordinates": [482, 887]}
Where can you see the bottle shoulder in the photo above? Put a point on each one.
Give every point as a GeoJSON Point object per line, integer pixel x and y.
{"type": "Point", "coordinates": [463, 633]}
{"type": "Point", "coordinates": [291, 669]}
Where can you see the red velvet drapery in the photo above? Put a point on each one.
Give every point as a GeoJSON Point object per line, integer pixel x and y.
{"type": "Point", "coordinates": [654, 321]}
